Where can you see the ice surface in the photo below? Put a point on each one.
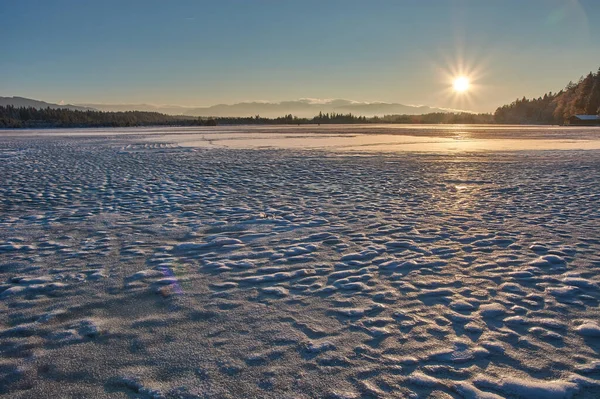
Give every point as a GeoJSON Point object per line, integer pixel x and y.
{"type": "Point", "coordinates": [131, 266]}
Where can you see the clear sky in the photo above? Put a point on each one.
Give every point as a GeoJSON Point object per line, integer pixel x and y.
{"type": "Point", "coordinates": [207, 52]}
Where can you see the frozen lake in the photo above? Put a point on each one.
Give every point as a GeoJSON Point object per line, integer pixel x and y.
{"type": "Point", "coordinates": [300, 262]}
{"type": "Point", "coordinates": [358, 138]}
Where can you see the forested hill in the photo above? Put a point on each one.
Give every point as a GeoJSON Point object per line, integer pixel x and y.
{"type": "Point", "coordinates": [582, 97]}
{"type": "Point", "coordinates": [30, 117]}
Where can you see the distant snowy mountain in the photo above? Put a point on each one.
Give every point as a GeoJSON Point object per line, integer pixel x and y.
{"type": "Point", "coordinates": [163, 109]}
{"type": "Point", "coordinates": [301, 108]}
{"type": "Point", "coordinates": [28, 102]}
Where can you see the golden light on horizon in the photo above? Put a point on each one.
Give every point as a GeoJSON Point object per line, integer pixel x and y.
{"type": "Point", "coordinates": [460, 84]}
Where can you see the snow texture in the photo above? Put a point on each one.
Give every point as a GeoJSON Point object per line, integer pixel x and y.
{"type": "Point", "coordinates": [131, 267]}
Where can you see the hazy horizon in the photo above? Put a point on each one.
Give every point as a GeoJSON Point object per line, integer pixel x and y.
{"type": "Point", "coordinates": [195, 54]}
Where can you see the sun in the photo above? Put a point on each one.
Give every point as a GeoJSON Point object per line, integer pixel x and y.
{"type": "Point", "coordinates": [460, 84]}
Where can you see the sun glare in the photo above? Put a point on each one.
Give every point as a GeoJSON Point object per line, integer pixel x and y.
{"type": "Point", "coordinates": [460, 84]}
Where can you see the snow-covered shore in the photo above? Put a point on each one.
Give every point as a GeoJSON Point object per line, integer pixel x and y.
{"type": "Point", "coordinates": [135, 267]}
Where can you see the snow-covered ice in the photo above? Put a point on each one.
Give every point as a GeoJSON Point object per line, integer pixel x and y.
{"type": "Point", "coordinates": [135, 266]}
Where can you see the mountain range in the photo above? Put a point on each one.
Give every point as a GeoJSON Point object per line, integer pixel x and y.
{"type": "Point", "coordinates": [304, 108]}
{"type": "Point", "coordinates": [28, 102]}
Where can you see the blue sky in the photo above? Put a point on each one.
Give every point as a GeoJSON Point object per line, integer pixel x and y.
{"type": "Point", "coordinates": [209, 52]}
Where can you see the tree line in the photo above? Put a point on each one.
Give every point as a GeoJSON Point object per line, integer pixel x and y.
{"type": "Point", "coordinates": [28, 117]}
{"type": "Point", "coordinates": [582, 97]}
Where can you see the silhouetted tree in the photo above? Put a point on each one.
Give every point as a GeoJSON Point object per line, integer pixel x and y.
{"type": "Point", "coordinates": [593, 102]}
{"type": "Point", "coordinates": [577, 98]}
